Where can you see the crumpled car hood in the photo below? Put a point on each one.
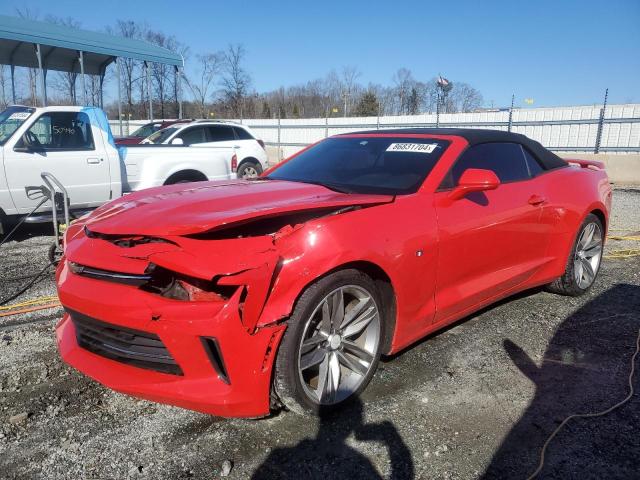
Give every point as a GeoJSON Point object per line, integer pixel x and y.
{"type": "Point", "coordinates": [185, 209]}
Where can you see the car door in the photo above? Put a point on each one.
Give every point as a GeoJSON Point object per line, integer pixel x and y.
{"type": "Point", "coordinates": [61, 143]}
{"type": "Point", "coordinates": [491, 241]}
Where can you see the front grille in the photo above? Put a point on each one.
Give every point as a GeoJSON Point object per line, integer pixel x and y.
{"type": "Point", "coordinates": [126, 345]}
{"type": "Point", "coordinates": [109, 275]}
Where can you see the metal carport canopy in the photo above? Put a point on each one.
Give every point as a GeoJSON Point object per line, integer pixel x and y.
{"type": "Point", "coordinates": [60, 46]}
{"type": "Point", "coordinates": [48, 46]}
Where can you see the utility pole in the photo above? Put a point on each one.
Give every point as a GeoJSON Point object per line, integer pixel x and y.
{"type": "Point", "coordinates": [601, 122]}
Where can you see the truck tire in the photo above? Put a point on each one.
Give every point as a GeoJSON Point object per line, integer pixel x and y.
{"type": "Point", "coordinates": [186, 176]}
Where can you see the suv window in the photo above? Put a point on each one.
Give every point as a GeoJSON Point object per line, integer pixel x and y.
{"type": "Point", "coordinates": [61, 131]}
{"type": "Point", "coordinates": [220, 134]}
{"type": "Point", "coordinates": [192, 135]}
{"type": "Point", "coordinates": [506, 160]}
{"type": "Point", "coordinates": [242, 134]}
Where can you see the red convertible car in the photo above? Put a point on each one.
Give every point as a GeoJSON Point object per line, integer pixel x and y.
{"type": "Point", "coordinates": [233, 298]}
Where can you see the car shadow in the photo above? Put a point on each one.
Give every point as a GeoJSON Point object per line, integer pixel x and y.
{"type": "Point", "coordinates": [329, 456]}
{"type": "Point", "coordinates": [29, 230]}
{"type": "Point", "coordinates": [584, 369]}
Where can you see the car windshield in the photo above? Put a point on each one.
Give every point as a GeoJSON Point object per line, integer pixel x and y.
{"type": "Point", "coordinates": [145, 130]}
{"type": "Point", "coordinates": [11, 119]}
{"type": "Point", "coordinates": [162, 135]}
{"type": "Point", "coordinates": [378, 165]}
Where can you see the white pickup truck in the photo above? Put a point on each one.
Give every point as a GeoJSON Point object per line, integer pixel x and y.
{"type": "Point", "coordinates": [76, 145]}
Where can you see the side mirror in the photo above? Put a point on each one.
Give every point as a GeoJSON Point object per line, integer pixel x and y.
{"type": "Point", "coordinates": [177, 141]}
{"type": "Point", "coordinates": [23, 145]}
{"type": "Point", "coordinates": [475, 180]}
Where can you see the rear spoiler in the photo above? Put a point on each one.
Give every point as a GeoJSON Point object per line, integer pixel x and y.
{"type": "Point", "coordinates": [592, 164]}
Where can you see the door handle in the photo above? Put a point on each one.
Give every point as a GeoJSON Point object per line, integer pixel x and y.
{"type": "Point", "coordinates": [93, 160]}
{"type": "Point", "coordinates": [536, 200]}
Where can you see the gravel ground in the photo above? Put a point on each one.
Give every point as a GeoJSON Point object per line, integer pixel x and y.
{"type": "Point", "coordinates": [475, 401]}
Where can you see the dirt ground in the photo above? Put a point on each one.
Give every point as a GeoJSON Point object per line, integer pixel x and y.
{"type": "Point", "coordinates": [475, 401]}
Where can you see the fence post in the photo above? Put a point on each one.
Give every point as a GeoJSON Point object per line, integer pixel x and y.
{"type": "Point", "coordinates": [513, 97]}
{"type": "Point", "coordinates": [279, 147]}
{"type": "Point", "coordinates": [601, 122]}
{"type": "Point", "coordinates": [326, 127]}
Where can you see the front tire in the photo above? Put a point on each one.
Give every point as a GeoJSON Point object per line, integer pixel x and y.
{"type": "Point", "coordinates": [584, 261]}
{"type": "Point", "coordinates": [332, 345]}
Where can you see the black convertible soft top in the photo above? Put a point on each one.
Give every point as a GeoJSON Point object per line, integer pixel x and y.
{"type": "Point", "coordinates": [474, 136]}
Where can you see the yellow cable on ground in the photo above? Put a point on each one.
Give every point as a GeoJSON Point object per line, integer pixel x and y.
{"type": "Point", "coordinates": [635, 238]}
{"type": "Point", "coordinates": [30, 302]}
{"type": "Point", "coordinates": [632, 252]}
{"type": "Point", "coordinates": [590, 415]}
{"type": "Point", "coordinates": [31, 309]}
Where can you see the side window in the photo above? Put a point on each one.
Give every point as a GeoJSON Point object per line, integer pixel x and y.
{"type": "Point", "coordinates": [506, 160]}
{"type": "Point", "coordinates": [62, 131]}
{"type": "Point", "coordinates": [192, 135]}
{"type": "Point", "coordinates": [242, 134]}
{"type": "Point", "coordinates": [220, 134]}
{"type": "Point", "coordinates": [532, 164]}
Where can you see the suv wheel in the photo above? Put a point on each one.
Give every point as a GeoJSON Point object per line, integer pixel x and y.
{"type": "Point", "coordinates": [249, 169]}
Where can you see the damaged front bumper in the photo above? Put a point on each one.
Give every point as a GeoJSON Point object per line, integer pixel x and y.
{"type": "Point", "coordinates": [193, 354]}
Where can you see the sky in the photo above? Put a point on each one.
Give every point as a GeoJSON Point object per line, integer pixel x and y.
{"type": "Point", "coordinates": [560, 52]}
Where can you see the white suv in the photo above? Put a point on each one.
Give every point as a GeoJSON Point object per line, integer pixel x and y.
{"type": "Point", "coordinates": [250, 152]}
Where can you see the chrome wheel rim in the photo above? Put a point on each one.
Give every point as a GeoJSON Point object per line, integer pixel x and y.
{"type": "Point", "coordinates": [339, 345]}
{"type": "Point", "coordinates": [249, 172]}
{"type": "Point", "coordinates": [588, 255]}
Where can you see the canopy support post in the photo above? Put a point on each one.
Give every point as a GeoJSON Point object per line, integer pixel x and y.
{"type": "Point", "coordinates": [84, 85]}
{"type": "Point", "coordinates": [119, 95]}
{"type": "Point", "coordinates": [178, 86]}
{"type": "Point", "coordinates": [43, 81]}
{"type": "Point", "coordinates": [13, 83]}
{"type": "Point", "coordinates": [146, 67]}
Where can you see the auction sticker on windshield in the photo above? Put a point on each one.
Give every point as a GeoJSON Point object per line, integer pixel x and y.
{"type": "Point", "coordinates": [19, 116]}
{"type": "Point", "coordinates": [412, 147]}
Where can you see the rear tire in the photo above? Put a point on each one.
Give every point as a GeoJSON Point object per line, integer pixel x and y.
{"type": "Point", "coordinates": [249, 169]}
{"type": "Point", "coordinates": [185, 177]}
{"type": "Point", "coordinates": [584, 261]}
{"type": "Point", "coordinates": [331, 348]}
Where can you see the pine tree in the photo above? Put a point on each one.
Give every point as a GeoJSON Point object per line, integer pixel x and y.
{"type": "Point", "coordinates": [368, 105]}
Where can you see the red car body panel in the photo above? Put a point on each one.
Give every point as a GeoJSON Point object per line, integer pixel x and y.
{"type": "Point", "coordinates": [425, 245]}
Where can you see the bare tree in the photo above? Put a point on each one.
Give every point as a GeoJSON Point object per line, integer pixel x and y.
{"type": "Point", "coordinates": [130, 69]}
{"type": "Point", "coordinates": [32, 73]}
{"type": "Point", "coordinates": [4, 101]}
{"type": "Point", "coordinates": [201, 86]}
{"type": "Point", "coordinates": [404, 82]}
{"type": "Point", "coordinates": [65, 81]}
{"type": "Point", "coordinates": [348, 80]}
{"type": "Point", "coordinates": [161, 72]}
{"type": "Point", "coordinates": [464, 98]}
{"type": "Point", "coordinates": [235, 79]}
